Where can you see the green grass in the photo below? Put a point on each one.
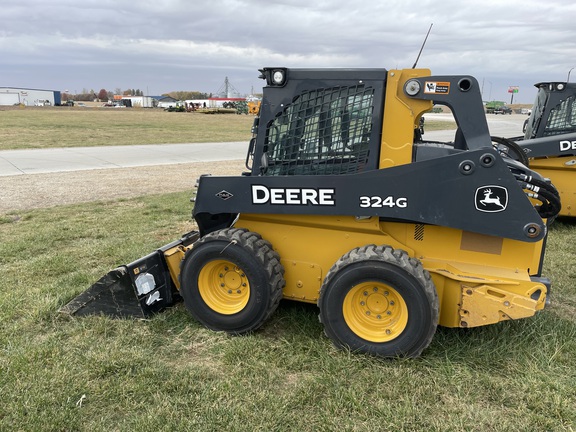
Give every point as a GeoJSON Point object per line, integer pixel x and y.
{"type": "Point", "coordinates": [169, 373]}
{"type": "Point", "coordinates": [24, 128]}
{"type": "Point", "coordinates": [436, 125]}
{"type": "Point", "coordinates": [51, 127]}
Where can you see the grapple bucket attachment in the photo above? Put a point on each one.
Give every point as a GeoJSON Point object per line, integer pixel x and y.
{"type": "Point", "coordinates": [139, 289]}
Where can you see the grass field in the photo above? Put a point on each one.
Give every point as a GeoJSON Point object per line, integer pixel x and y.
{"type": "Point", "coordinates": [169, 373]}
{"type": "Point", "coordinates": [46, 127]}
{"type": "Point", "coordinates": [49, 127]}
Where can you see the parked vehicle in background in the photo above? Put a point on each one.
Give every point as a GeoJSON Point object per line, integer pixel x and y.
{"type": "Point", "coordinates": [492, 106]}
{"type": "Point", "coordinates": [503, 110]}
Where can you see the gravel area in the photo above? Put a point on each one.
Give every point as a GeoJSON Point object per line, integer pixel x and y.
{"type": "Point", "coordinates": [25, 192]}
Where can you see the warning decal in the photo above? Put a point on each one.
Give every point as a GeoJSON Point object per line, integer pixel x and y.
{"type": "Point", "coordinates": [437, 87]}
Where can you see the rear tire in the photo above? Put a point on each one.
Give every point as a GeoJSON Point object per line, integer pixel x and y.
{"type": "Point", "coordinates": [232, 280]}
{"type": "Point", "coordinates": [379, 301]}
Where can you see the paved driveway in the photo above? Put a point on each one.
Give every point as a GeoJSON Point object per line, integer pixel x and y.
{"type": "Point", "coordinates": [16, 162]}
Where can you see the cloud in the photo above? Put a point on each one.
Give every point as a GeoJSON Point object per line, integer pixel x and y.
{"type": "Point", "coordinates": [181, 45]}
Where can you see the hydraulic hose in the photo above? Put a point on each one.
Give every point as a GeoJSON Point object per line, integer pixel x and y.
{"type": "Point", "coordinates": [544, 192]}
{"type": "Point", "coordinates": [511, 146]}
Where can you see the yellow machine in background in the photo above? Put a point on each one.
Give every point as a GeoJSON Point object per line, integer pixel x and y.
{"type": "Point", "coordinates": [549, 140]}
{"type": "Point", "coordinates": [254, 107]}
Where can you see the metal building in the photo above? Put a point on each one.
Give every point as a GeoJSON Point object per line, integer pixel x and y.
{"type": "Point", "coordinates": [29, 97]}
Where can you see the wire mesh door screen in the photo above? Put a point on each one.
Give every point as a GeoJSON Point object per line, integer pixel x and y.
{"type": "Point", "coordinates": [562, 118]}
{"type": "Point", "coordinates": [322, 132]}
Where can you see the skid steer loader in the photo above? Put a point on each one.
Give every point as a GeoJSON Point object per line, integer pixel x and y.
{"type": "Point", "coordinates": [550, 139]}
{"type": "Point", "coordinates": [344, 205]}
{"type": "Point", "coordinates": [549, 142]}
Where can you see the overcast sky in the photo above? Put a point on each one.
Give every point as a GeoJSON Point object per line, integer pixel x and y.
{"type": "Point", "coordinates": [163, 45]}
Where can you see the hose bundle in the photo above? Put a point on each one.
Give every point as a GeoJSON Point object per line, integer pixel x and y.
{"type": "Point", "coordinates": [538, 189]}
{"type": "Point", "coordinates": [542, 191]}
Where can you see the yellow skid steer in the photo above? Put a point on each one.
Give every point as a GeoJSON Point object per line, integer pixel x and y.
{"type": "Point", "coordinates": [345, 206]}
{"type": "Point", "coordinates": [549, 142]}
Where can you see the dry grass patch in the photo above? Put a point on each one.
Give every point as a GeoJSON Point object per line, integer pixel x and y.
{"type": "Point", "coordinates": [50, 127]}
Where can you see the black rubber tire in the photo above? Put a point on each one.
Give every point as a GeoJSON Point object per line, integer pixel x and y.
{"type": "Point", "coordinates": [411, 285]}
{"type": "Point", "coordinates": [253, 263]}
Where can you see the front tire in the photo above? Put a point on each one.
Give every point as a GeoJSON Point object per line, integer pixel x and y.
{"type": "Point", "coordinates": [379, 301]}
{"type": "Point", "coordinates": [232, 280]}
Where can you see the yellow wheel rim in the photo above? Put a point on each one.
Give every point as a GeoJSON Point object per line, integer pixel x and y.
{"type": "Point", "coordinates": [375, 312]}
{"type": "Point", "coordinates": [224, 287]}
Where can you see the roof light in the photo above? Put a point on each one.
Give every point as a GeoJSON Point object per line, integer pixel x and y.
{"type": "Point", "coordinates": [278, 77]}
{"type": "Point", "coordinates": [274, 76]}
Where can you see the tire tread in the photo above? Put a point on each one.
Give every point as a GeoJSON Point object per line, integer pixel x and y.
{"type": "Point", "coordinates": [396, 257]}
{"type": "Point", "coordinates": [262, 251]}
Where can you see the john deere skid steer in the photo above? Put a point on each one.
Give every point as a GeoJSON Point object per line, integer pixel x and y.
{"type": "Point", "coordinates": [550, 139]}
{"type": "Point", "coordinates": [344, 205]}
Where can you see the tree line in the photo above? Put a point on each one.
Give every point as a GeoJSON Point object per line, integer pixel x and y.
{"type": "Point", "coordinates": [107, 95]}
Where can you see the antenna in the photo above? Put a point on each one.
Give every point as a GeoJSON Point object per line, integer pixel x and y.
{"type": "Point", "coordinates": [422, 47]}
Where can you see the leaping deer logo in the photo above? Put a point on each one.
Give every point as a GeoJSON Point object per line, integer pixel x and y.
{"type": "Point", "coordinates": [489, 200]}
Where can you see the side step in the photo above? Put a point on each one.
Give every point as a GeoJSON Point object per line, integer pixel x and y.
{"type": "Point", "coordinates": [137, 290]}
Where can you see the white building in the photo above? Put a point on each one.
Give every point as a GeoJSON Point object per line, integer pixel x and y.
{"type": "Point", "coordinates": [165, 101]}
{"type": "Point", "coordinates": [29, 97]}
{"type": "Point", "coordinates": [141, 101]}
